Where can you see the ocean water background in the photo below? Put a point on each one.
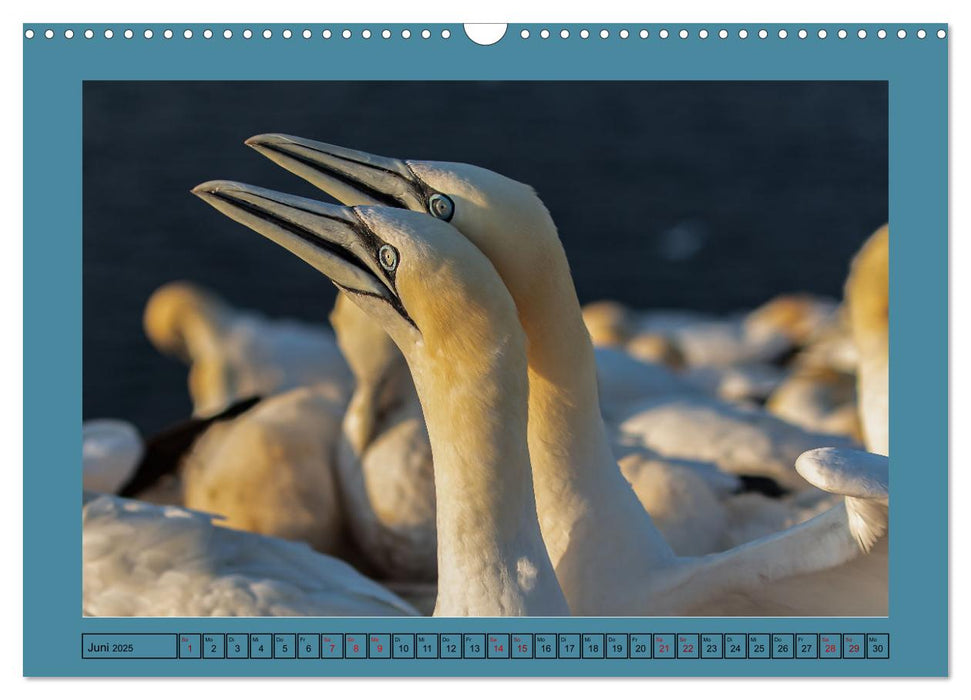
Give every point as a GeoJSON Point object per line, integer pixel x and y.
{"type": "Point", "coordinates": [709, 196]}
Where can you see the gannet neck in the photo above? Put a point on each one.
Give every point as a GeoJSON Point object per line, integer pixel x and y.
{"type": "Point", "coordinates": [473, 391]}
{"type": "Point", "coordinates": [185, 320]}
{"type": "Point", "coordinates": [867, 297]}
{"type": "Point", "coordinates": [376, 364]}
{"type": "Point", "coordinates": [588, 512]}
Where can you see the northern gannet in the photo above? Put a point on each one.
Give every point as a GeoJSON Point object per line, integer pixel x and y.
{"type": "Point", "coordinates": [818, 399]}
{"type": "Point", "coordinates": [146, 560]}
{"type": "Point", "coordinates": [384, 463]}
{"type": "Point", "coordinates": [762, 335]}
{"type": "Point", "coordinates": [110, 452]}
{"type": "Point", "coordinates": [117, 460]}
{"type": "Point", "coordinates": [856, 588]}
{"type": "Point", "coordinates": [592, 522]}
{"type": "Point", "coordinates": [867, 299]}
{"type": "Point", "coordinates": [445, 307]}
{"type": "Point", "coordinates": [509, 223]}
{"type": "Point", "coordinates": [235, 353]}
{"type": "Point", "coordinates": [263, 466]}
{"type": "Point", "coordinates": [272, 470]}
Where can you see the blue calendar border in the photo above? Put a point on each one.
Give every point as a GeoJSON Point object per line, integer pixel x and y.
{"type": "Point", "coordinates": [916, 70]}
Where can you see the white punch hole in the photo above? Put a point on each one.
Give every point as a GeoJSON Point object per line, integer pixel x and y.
{"type": "Point", "coordinates": [485, 34]}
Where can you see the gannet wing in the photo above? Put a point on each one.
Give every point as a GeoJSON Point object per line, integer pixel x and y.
{"type": "Point", "coordinates": [145, 560]}
{"type": "Point", "coordinates": [847, 472]}
{"type": "Point", "coordinates": [863, 477]}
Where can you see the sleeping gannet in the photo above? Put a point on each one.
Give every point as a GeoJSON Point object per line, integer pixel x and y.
{"type": "Point", "coordinates": [271, 471]}
{"type": "Point", "coordinates": [762, 335]}
{"type": "Point", "coordinates": [609, 556]}
{"type": "Point", "coordinates": [234, 353]}
{"type": "Point", "coordinates": [115, 458]}
{"type": "Point", "coordinates": [818, 399]}
{"type": "Point", "coordinates": [263, 466]}
{"type": "Point", "coordinates": [145, 560]}
{"type": "Point", "coordinates": [447, 310]}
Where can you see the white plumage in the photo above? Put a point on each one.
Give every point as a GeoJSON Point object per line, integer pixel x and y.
{"type": "Point", "coordinates": [110, 451]}
{"type": "Point", "coordinates": [599, 537]}
{"type": "Point", "coordinates": [272, 469]}
{"type": "Point", "coordinates": [469, 372]}
{"type": "Point", "coordinates": [385, 461]}
{"type": "Point", "coordinates": [146, 560]}
{"type": "Point", "coordinates": [739, 439]}
{"type": "Point", "coordinates": [235, 353]}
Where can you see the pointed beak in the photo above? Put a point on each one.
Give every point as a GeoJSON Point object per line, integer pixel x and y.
{"type": "Point", "coordinates": [331, 238]}
{"type": "Point", "coordinates": [352, 177]}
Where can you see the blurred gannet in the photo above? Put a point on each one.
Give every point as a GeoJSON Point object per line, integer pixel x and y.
{"type": "Point", "coordinates": [234, 353]}
{"type": "Point", "coordinates": [268, 469]}
{"type": "Point", "coordinates": [764, 334]}
{"type": "Point", "coordinates": [385, 461]}
{"type": "Point", "coordinates": [818, 399]}
{"type": "Point", "coordinates": [117, 460]}
{"type": "Point", "coordinates": [272, 470]}
{"type": "Point", "coordinates": [867, 299]}
{"type": "Point", "coordinates": [111, 450]}
{"type": "Point", "coordinates": [592, 523]}
{"type": "Point", "coordinates": [446, 308]}
{"type": "Point", "coordinates": [855, 588]}
{"type": "Point", "coordinates": [146, 560]}
{"type": "Point", "coordinates": [739, 439]}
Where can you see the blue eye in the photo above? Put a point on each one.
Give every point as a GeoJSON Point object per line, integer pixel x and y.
{"type": "Point", "coordinates": [441, 207]}
{"type": "Point", "coordinates": [388, 257]}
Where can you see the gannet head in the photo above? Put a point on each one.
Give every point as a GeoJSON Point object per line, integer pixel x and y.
{"type": "Point", "coordinates": [171, 312]}
{"type": "Point", "coordinates": [868, 292]}
{"type": "Point", "coordinates": [413, 274]}
{"type": "Point", "coordinates": [504, 218]}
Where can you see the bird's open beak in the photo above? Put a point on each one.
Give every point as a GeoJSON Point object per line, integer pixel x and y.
{"type": "Point", "coordinates": [330, 238]}
{"type": "Point", "coordinates": [352, 177]}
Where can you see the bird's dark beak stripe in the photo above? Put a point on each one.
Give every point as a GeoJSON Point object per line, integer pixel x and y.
{"type": "Point", "coordinates": [367, 237]}
{"type": "Point", "coordinates": [298, 230]}
{"type": "Point", "coordinates": [384, 198]}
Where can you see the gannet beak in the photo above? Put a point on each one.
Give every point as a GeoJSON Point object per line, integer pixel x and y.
{"type": "Point", "coordinates": [331, 238]}
{"type": "Point", "coordinates": [352, 177]}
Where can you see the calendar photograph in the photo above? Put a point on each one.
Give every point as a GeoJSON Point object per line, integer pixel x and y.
{"type": "Point", "coordinates": [487, 349]}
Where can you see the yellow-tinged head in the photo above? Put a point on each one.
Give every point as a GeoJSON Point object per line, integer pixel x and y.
{"type": "Point", "coordinates": [502, 217]}
{"type": "Point", "coordinates": [430, 289]}
{"type": "Point", "coordinates": [868, 292]}
{"type": "Point", "coordinates": [176, 311]}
